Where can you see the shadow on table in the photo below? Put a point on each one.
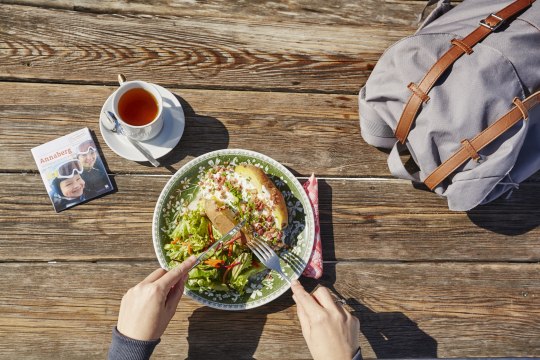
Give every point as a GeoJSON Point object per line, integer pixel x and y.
{"type": "Point", "coordinates": [202, 134]}
{"type": "Point", "coordinates": [105, 164]}
{"type": "Point", "coordinates": [511, 215]}
{"type": "Point", "coordinates": [518, 214]}
{"type": "Point", "coordinates": [392, 334]}
{"type": "Point", "coordinates": [235, 335]}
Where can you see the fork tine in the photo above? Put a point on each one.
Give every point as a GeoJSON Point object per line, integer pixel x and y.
{"type": "Point", "coordinates": [292, 262]}
{"type": "Point", "coordinates": [263, 247]}
{"type": "Point", "coordinates": [257, 252]}
{"type": "Point", "coordinates": [267, 256]}
{"type": "Point", "coordinates": [263, 244]}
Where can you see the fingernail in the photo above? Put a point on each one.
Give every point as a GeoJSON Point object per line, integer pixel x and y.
{"type": "Point", "coordinates": [295, 282]}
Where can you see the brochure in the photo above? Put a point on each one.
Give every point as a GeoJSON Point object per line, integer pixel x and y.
{"type": "Point", "coordinates": [72, 169]}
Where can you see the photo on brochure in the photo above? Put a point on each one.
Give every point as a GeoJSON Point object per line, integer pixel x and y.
{"type": "Point", "coordinates": [72, 169]}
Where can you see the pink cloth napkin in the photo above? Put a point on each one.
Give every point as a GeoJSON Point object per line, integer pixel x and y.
{"type": "Point", "coordinates": [314, 268]}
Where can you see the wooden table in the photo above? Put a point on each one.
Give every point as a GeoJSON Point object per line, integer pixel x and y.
{"type": "Point", "coordinates": [277, 77]}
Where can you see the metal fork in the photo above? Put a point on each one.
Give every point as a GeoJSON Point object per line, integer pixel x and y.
{"type": "Point", "coordinates": [267, 256]}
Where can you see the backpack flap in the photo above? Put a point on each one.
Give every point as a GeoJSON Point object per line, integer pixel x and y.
{"type": "Point", "coordinates": [472, 94]}
{"type": "Point", "coordinates": [373, 127]}
{"type": "Point", "coordinates": [443, 6]}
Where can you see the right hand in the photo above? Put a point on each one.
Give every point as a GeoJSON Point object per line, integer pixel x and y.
{"type": "Point", "coordinates": [330, 331]}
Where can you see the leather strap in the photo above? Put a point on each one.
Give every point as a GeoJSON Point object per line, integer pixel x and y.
{"type": "Point", "coordinates": [422, 95]}
{"type": "Point", "coordinates": [471, 147]}
{"type": "Point", "coordinates": [466, 48]}
{"type": "Point", "coordinates": [487, 26]}
{"type": "Point", "coordinates": [521, 107]}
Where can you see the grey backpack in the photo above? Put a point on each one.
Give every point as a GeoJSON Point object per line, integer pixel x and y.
{"type": "Point", "coordinates": [459, 95]}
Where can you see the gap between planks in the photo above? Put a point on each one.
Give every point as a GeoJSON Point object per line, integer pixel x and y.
{"type": "Point", "coordinates": [349, 262]}
{"type": "Point", "coordinates": [180, 87]}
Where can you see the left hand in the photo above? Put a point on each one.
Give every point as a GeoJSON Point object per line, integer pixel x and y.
{"type": "Point", "coordinates": [147, 308]}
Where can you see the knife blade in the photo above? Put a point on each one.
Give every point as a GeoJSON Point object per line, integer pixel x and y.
{"type": "Point", "coordinates": [224, 238]}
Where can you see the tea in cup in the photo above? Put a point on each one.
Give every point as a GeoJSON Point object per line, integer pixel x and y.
{"type": "Point", "coordinates": [138, 107]}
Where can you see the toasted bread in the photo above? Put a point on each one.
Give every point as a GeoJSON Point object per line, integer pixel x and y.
{"type": "Point", "coordinates": [222, 218]}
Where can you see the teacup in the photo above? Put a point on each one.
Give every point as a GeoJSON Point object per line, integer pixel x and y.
{"type": "Point", "coordinates": [138, 106]}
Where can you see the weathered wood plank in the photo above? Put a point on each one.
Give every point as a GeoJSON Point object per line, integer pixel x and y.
{"type": "Point", "coordinates": [361, 219]}
{"type": "Point", "coordinates": [66, 311]}
{"type": "Point", "coordinates": [305, 132]}
{"type": "Point", "coordinates": [302, 11]}
{"type": "Point", "coordinates": [56, 45]}
{"type": "Point", "coordinates": [271, 123]}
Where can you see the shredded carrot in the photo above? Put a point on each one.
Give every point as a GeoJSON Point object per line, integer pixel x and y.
{"type": "Point", "coordinates": [230, 250]}
{"type": "Point", "coordinates": [189, 249]}
{"type": "Point", "coordinates": [214, 262]}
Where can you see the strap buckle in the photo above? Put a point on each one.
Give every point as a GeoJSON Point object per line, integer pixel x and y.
{"type": "Point", "coordinates": [499, 19]}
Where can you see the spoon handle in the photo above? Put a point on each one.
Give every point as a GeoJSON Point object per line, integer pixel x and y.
{"type": "Point", "coordinates": [118, 128]}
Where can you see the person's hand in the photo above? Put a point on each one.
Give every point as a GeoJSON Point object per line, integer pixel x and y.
{"type": "Point", "coordinates": [330, 331]}
{"type": "Point", "coordinates": [147, 308]}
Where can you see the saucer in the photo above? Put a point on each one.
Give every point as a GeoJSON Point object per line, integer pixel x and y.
{"type": "Point", "coordinates": [159, 146]}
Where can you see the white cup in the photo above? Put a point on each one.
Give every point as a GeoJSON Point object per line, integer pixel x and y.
{"type": "Point", "coordinates": [146, 131]}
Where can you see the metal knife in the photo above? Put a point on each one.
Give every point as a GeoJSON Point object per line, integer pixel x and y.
{"type": "Point", "coordinates": [224, 238]}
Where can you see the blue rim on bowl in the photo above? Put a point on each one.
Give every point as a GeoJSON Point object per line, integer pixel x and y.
{"type": "Point", "coordinates": [299, 234]}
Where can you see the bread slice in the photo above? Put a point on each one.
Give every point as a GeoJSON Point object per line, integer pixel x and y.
{"type": "Point", "coordinates": [222, 218]}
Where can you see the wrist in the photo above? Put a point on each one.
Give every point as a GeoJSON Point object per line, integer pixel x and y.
{"type": "Point", "coordinates": [136, 335]}
{"type": "Point", "coordinates": [124, 347]}
{"type": "Point", "coordinates": [119, 332]}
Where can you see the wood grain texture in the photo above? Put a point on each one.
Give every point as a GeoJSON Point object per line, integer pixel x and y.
{"type": "Point", "coordinates": [308, 133]}
{"type": "Point", "coordinates": [360, 219]}
{"type": "Point", "coordinates": [280, 78]}
{"type": "Point", "coordinates": [305, 132]}
{"type": "Point", "coordinates": [66, 311]}
{"type": "Point", "coordinates": [301, 11]}
{"type": "Point", "coordinates": [56, 45]}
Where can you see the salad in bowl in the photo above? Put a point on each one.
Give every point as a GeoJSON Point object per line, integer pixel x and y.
{"type": "Point", "coordinates": [210, 195]}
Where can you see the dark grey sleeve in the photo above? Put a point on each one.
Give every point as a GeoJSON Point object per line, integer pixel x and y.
{"type": "Point", "coordinates": [126, 348]}
{"type": "Point", "coordinates": [358, 355]}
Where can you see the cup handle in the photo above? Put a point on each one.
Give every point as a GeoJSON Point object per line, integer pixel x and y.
{"type": "Point", "coordinates": [121, 79]}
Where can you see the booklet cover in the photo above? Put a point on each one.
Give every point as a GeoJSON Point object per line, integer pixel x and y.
{"type": "Point", "coordinates": [71, 169]}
